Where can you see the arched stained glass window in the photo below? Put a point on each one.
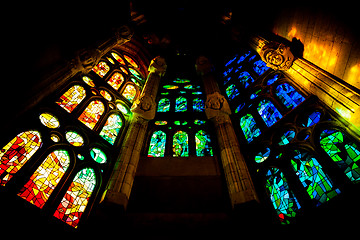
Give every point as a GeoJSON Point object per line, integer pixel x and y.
{"type": "Point", "coordinates": [343, 151]}
{"type": "Point", "coordinates": [71, 98]}
{"type": "Point", "coordinates": [91, 115]}
{"type": "Point", "coordinates": [129, 92]}
{"type": "Point", "coordinates": [180, 104]}
{"type": "Point", "coordinates": [46, 177]}
{"type": "Point", "coordinates": [180, 144]}
{"type": "Point", "coordinates": [76, 198]}
{"type": "Point", "coordinates": [260, 67]}
{"type": "Point", "coordinates": [157, 144]}
{"type": "Point", "coordinates": [164, 105]}
{"type": "Point", "coordinates": [269, 113]}
{"type": "Point", "coordinates": [202, 140]}
{"type": "Point", "coordinates": [118, 58]}
{"type": "Point", "coordinates": [316, 182]}
{"type": "Point", "coordinates": [16, 153]}
{"type": "Point", "coordinates": [249, 128]}
{"type": "Point", "coordinates": [232, 91]}
{"type": "Point", "coordinates": [198, 105]}
{"type": "Point", "coordinates": [288, 95]}
{"type": "Point", "coordinates": [116, 80]}
{"type": "Point", "coordinates": [282, 198]}
{"type": "Point", "coordinates": [287, 137]}
{"type": "Point", "coordinates": [101, 69]}
{"type": "Point", "coordinates": [111, 128]}
{"type": "Point", "coordinates": [245, 79]}
{"type": "Point", "coordinates": [131, 61]}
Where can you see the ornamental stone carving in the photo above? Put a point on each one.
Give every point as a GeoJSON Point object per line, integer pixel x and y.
{"type": "Point", "coordinates": [217, 108]}
{"type": "Point", "coordinates": [123, 34]}
{"type": "Point", "coordinates": [277, 56]}
{"type": "Point", "coordinates": [145, 107]}
{"type": "Point", "coordinates": [158, 65]}
{"type": "Point", "coordinates": [85, 60]}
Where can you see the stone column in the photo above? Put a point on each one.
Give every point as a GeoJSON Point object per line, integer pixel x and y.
{"type": "Point", "coordinates": [239, 183]}
{"type": "Point", "coordinates": [122, 178]}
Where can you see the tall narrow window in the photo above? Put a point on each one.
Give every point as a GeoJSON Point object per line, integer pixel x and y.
{"type": "Point", "coordinates": [260, 67]}
{"type": "Point", "coordinates": [245, 79]}
{"type": "Point", "coordinates": [198, 105]}
{"type": "Point", "coordinates": [343, 151]}
{"type": "Point", "coordinates": [180, 104]}
{"type": "Point", "coordinates": [46, 177]}
{"type": "Point", "coordinates": [76, 198]}
{"type": "Point", "coordinates": [180, 144]}
{"type": "Point", "coordinates": [101, 69]}
{"type": "Point", "coordinates": [232, 91]}
{"type": "Point", "coordinates": [164, 105]}
{"type": "Point", "coordinates": [249, 128]}
{"type": "Point", "coordinates": [317, 184]}
{"type": "Point", "coordinates": [282, 198]}
{"type": "Point", "coordinates": [157, 144]}
{"type": "Point", "coordinates": [269, 113]}
{"type": "Point", "coordinates": [16, 153]}
{"type": "Point", "coordinates": [111, 128]}
{"type": "Point", "coordinates": [71, 98]}
{"type": "Point", "coordinates": [288, 95]}
{"type": "Point", "coordinates": [92, 114]}
{"type": "Point", "coordinates": [116, 80]}
{"type": "Point", "coordinates": [202, 140]}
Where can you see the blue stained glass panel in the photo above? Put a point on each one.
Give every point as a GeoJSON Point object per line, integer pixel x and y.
{"type": "Point", "coordinates": [249, 128]}
{"type": "Point", "coordinates": [164, 105]}
{"type": "Point", "coordinates": [232, 91]}
{"type": "Point", "coordinates": [316, 182]}
{"type": "Point", "coordinates": [312, 119]}
{"type": "Point", "coordinates": [273, 79]}
{"type": "Point", "coordinates": [288, 95]}
{"type": "Point", "coordinates": [260, 67]}
{"type": "Point", "coordinates": [287, 137]}
{"type": "Point", "coordinates": [180, 104]}
{"type": "Point", "coordinates": [157, 144]}
{"type": "Point", "coordinates": [198, 105]}
{"type": "Point", "coordinates": [282, 198]}
{"type": "Point", "coordinates": [269, 113]}
{"type": "Point", "coordinates": [245, 79]}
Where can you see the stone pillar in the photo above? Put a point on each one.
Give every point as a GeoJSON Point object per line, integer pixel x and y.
{"type": "Point", "coordinates": [239, 183]}
{"type": "Point", "coordinates": [122, 178]}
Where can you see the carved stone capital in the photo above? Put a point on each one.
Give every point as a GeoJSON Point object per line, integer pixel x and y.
{"type": "Point", "coordinates": [123, 34]}
{"type": "Point", "coordinates": [217, 108]}
{"type": "Point", "coordinates": [158, 65]}
{"type": "Point", "coordinates": [85, 60]}
{"type": "Point", "coordinates": [144, 107]}
{"type": "Point", "coordinates": [277, 56]}
{"type": "Point", "coordinates": [203, 65]}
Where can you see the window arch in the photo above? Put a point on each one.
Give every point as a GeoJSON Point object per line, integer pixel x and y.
{"type": "Point", "coordinates": [245, 79]}
{"type": "Point", "coordinates": [282, 198]}
{"type": "Point", "coordinates": [101, 69]}
{"type": "Point", "coordinates": [46, 177]}
{"type": "Point", "coordinates": [91, 115]}
{"type": "Point", "coordinates": [164, 105]}
{"type": "Point", "coordinates": [116, 80]}
{"type": "Point", "coordinates": [72, 98]}
{"type": "Point", "coordinates": [343, 151]}
{"type": "Point", "coordinates": [76, 198]}
{"type": "Point", "coordinates": [111, 128]}
{"type": "Point", "coordinates": [157, 144]}
{"type": "Point", "coordinates": [180, 104]}
{"type": "Point", "coordinates": [198, 105]}
{"type": "Point", "coordinates": [288, 95]}
{"type": "Point", "coordinates": [249, 128]}
{"type": "Point", "coordinates": [269, 113]}
{"type": "Point", "coordinates": [203, 147]}
{"type": "Point", "coordinates": [17, 152]}
{"type": "Point", "coordinates": [180, 144]}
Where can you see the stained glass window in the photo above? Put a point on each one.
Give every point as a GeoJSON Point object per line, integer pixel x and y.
{"type": "Point", "coordinates": [289, 96]}
{"type": "Point", "coordinates": [101, 69]}
{"type": "Point", "coordinates": [157, 144]}
{"type": "Point", "coordinates": [180, 104]}
{"type": "Point", "coordinates": [49, 120]}
{"type": "Point", "coordinates": [111, 128]}
{"type": "Point", "coordinates": [287, 137]}
{"type": "Point", "coordinates": [164, 105]}
{"type": "Point", "coordinates": [16, 153]}
{"type": "Point", "coordinates": [71, 98]}
{"type": "Point", "coordinates": [74, 138]}
{"type": "Point", "coordinates": [122, 108]}
{"type": "Point", "coordinates": [268, 112]}
{"type": "Point", "coordinates": [202, 140]}
{"type": "Point", "coordinates": [46, 177]}
{"type": "Point", "coordinates": [317, 184]}
{"type": "Point", "coordinates": [98, 155]}
{"type": "Point", "coordinates": [180, 144]}
{"type": "Point", "coordinates": [76, 198]}
{"type": "Point", "coordinates": [262, 156]}
{"type": "Point", "coordinates": [198, 105]}
{"type": "Point", "coordinates": [245, 79]}
{"type": "Point", "coordinates": [343, 151]}
{"type": "Point", "coordinates": [88, 81]}
{"type": "Point", "coordinates": [260, 67]}
{"type": "Point", "coordinates": [249, 128]}
{"type": "Point", "coordinates": [91, 115]}
{"type": "Point", "coordinates": [106, 95]}
{"type": "Point", "coordinates": [118, 58]}
{"type": "Point", "coordinates": [232, 91]}
{"type": "Point", "coordinates": [131, 61]}
{"type": "Point", "coordinates": [116, 80]}
{"type": "Point", "coordinates": [311, 119]}
{"type": "Point", "coordinates": [129, 92]}
{"type": "Point", "coordinates": [272, 80]}
{"type": "Point", "coordinates": [282, 198]}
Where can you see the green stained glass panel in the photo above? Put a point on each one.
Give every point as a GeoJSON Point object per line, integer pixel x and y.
{"type": "Point", "coordinates": [202, 140]}
{"type": "Point", "coordinates": [157, 144]}
{"type": "Point", "coordinates": [180, 144]}
{"type": "Point", "coordinates": [249, 128]}
{"type": "Point", "coordinates": [180, 104]}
